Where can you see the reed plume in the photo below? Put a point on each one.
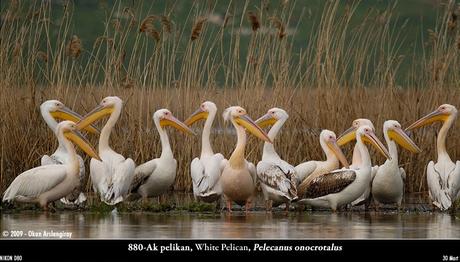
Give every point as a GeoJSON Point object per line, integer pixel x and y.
{"type": "Point", "coordinates": [278, 25]}
{"type": "Point", "coordinates": [74, 47]}
{"type": "Point", "coordinates": [254, 20]}
{"type": "Point", "coordinates": [197, 27]}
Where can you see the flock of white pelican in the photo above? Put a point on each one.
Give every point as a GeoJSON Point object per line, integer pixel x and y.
{"type": "Point", "coordinates": [317, 183]}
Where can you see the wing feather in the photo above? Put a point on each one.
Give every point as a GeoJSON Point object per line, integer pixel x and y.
{"type": "Point", "coordinates": [121, 182]}
{"type": "Point", "coordinates": [35, 181]}
{"type": "Point", "coordinates": [279, 177]}
{"type": "Point", "coordinates": [330, 183]}
{"type": "Point", "coordinates": [141, 174]}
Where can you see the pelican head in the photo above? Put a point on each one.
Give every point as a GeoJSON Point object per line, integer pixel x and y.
{"type": "Point", "coordinates": [202, 112]}
{"type": "Point", "coordinates": [272, 116]}
{"type": "Point", "coordinates": [328, 140]}
{"type": "Point", "coordinates": [59, 111]}
{"type": "Point", "coordinates": [107, 106]}
{"type": "Point", "coordinates": [394, 132]}
{"type": "Point", "coordinates": [367, 134]}
{"type": "Point", "coordinates": [164, 117]}
{"type": "Point", "coordinates": [70, 131]}
{"type": "Point", "coordinates": [239, 117]}
{"type": "Point", "coordinates": [441, 114]}
{"type": "Point", "coordinates": [350, 134]}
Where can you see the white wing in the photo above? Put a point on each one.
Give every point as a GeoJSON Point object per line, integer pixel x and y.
{"type": "Point", "coordinates": [100, 175]}
{"type": "Point", "coordinates": [121, 182]}
{"type": "Point", "coordinates": [454, 181]}
{"type": "Point", "coordinates": [252, 171]}
{"type": "Point", "coordinates": [197, 174]}
{"type": "Point", "coordinates": [213, 171]}
{"type": "Point", "coordinates": [35, 181]}
{"type": "Point", "coordinates": [304, 170]}
{"type": "Point", "coordinates": [374, 170]}
{"type": "Point", "coordinates": [437, 193]}
{"type": "Point", "coordinates": [142, 173]}
{"type": "Point", "coordinates": [402, 172]}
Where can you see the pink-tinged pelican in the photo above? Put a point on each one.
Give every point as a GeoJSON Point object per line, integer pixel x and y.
{"type": "Point", "coordinates": [113, 173]}
{"type": "Point", "coordinates": [388, 182]}
{"type": "Point", "coordinates": [341, 187]}
{"type": "Point", "coordinates": [50, 111]}
{"type": "Point", "coordinates": [48, 183]}
{"type": "Point", "coordinates": [239, 177]}
{"type": "Point", "coordinates": [312, 169]}
{"type": "Point", "coordinates": [277, 177]}
{"type": "Point", "coordinates": [348, 136]}
{"type": "Point", "coordinates": [154, 177]}
{"type": "Point", "coordinates": [206, 170]}
{"type": "Point", "coordinates": [443, 177]}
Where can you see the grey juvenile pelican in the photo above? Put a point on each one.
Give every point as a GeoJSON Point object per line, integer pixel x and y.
{"type": "Point", "coordinates": [277, 177]}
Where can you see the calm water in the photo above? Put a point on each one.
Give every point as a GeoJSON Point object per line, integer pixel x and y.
{"type": "Point", "coordinates": [237, 225]}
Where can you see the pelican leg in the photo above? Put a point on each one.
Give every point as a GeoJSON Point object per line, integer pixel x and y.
{"type": "Point", "coordinates": [49, 207]}
{"type": "Point", "coordinates": [453, 207]}
{"type": "Point", "coordinates": [268, 206]}
{"type": "Point", "coordinates": [400, 206]}
{"type": "Point", "coordinates": [286, 212]}
{"type": "Point", "coordinates": [229, 206]}
{"type": "Point", "coordinates": [248, 205]}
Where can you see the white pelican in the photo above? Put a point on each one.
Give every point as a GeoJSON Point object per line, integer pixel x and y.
{"type": "Point", "coordinates": [45, 184]}
{"type": "Point", "coordinates": [388, 182]}
{"type": "Point", "coordinates": [312, 169]}
{"type": "Point", "coordinates": [277, 177]}
{"type": "Point", "coordinates": [443, 177]}
{"type": "Point", "coordinates": [207, 169]}
{"type": "Point", "coordinates": [50, 110]}
{"type": "Point", "coordinates": [112, 174]}
{"type": "Point", "coordinates": [154, 177]}
{"type": "Point", "coordinates": [350, 135]}
{"type": "Point", "coordinates": [341, 187]}
{"type": "Point", "coordinates": [239, 177]}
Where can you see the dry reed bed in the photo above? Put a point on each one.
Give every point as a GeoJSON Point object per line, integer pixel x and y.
{"type": "Point", "coordinates": [25, 136]}
{"type": "Point", "coordinates": [347, 68]}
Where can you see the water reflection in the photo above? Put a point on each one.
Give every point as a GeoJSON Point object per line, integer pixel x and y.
{"type": "Point", "coordinates": [238, 225]}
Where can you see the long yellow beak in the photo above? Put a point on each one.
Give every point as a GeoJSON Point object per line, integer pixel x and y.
{"type": "Point", "coordinates": [95, 114]}
{"type": "Point", "coordinates": [428, 119]}
{"type": "Point", "coordinates": [82, 143]}
{"type": "Point", "coordinates": [400, 137]}
{"type": "Point", "coordinates": [338, 153]}
{"type": "Point", "coordinates": [347, 136]}
{"type": "Point", "coordinates": [266, 120]}
{"type": "Point", "coordinates": [373, 140]}
{"type": "Point", "coordinates": [174, 122]}
{"type": "Point", "coordinates": [66, 113]}
{"type": "Point", "coordinates": [197, 115]}
{"type": "Point", "coordinates": [246, 122]}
